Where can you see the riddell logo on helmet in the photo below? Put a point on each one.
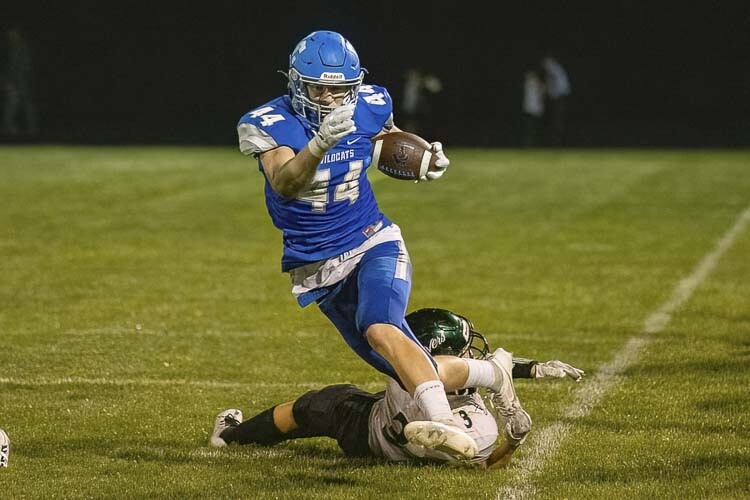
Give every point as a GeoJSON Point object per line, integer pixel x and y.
{"type": "Point", "coordinates": [335, 77]}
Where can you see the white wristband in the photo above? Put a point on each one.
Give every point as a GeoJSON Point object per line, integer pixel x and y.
{"type": "Point", "coordinates": [315, 148]}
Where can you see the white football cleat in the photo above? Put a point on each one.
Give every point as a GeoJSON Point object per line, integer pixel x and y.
{"type": "Point", "coordinates": [517, 428]}
{"type": "Point", "coordinates": [4, 449]}
{"type": "Point", "coordinates": [224, 420]}
{"type": "Point", "coordinates": [441, 437]}
{"type": "Point", "coordinates": [505, 401]}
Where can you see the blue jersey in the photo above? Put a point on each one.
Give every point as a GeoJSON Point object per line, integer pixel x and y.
{"type": "Point", "coordinates": [338, 212]}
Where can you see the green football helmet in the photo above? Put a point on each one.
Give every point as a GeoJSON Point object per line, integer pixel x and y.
{"type": "Point", "coordinates": [445, 332]}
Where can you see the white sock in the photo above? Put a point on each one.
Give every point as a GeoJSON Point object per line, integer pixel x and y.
{"type": "Point", "coordinates": [481, 373]}
{"type": "Point", "coordinates": [431, 399]}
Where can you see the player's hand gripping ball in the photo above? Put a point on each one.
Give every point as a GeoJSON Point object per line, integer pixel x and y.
{"type": "Point", "coordinates": [406, 156]}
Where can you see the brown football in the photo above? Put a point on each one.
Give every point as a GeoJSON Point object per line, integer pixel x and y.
{"type": "Point", "coordinates": [403, 155]}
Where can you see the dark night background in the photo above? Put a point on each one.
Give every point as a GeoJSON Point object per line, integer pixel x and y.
{"type": "Point", "coordinates": [643, 73]}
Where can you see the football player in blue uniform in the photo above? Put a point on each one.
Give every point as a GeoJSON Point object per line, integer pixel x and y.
{"type": "Point", "coordinates": [313, 147]}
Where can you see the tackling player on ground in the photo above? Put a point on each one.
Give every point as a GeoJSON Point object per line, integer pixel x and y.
{"type": "Point", "coordinates": [380, 425]}
{"type": "Point", "coordinates": [313, 147]}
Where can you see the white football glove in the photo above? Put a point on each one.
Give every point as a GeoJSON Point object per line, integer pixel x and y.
{"type": "Point", "coordinates": [441, 164]}
{"type": "Point", "coordinates": [335, 126]}
{"type": "Point", "coordinates": [557, 369]}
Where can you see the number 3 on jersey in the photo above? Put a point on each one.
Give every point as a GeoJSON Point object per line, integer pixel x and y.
{"type": "Point", "coordinates": [317, 194]}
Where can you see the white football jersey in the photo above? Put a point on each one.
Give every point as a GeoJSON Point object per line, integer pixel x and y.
{"type": "Point", "coordinates": [390, 415]}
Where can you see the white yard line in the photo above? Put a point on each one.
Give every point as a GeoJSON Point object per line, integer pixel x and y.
{"type": "Point", "coordinates": [547, 441]}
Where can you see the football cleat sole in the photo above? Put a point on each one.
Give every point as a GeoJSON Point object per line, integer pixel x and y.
{"type": "Point", "coordinates": [441, 437]}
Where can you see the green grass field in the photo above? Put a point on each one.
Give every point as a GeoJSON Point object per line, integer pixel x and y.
{"type": "Point", "coordinates": [141, 293]}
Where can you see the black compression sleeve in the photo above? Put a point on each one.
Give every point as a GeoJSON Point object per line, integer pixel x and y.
{"type": "Point", "coordinates": [522, 367]}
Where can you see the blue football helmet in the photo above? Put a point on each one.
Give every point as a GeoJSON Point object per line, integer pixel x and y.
{"type": "Point", "coordinates": [323, 60]}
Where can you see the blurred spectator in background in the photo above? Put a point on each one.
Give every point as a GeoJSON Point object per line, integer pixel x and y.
{"type": "Point", "coordinates": [533, 107]}
{"type": "Point", "coordinates": [558, 90]}
{"type": "Point", "coordinates": [17, 83]}
{"type": "Point", "coordinates": [415, 104]}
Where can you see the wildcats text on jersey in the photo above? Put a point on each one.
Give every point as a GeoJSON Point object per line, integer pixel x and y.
{"type": "Point", "coordinates": [338, 156]}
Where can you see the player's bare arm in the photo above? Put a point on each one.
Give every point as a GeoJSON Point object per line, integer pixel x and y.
{"type": "Point", "coordinates": [290, 174]}
{"type": "Point", "coordinates": [500, 456]}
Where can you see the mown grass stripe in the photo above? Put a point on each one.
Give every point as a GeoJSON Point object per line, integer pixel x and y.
{"type": "Point", "coordinates": [40, 382]}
